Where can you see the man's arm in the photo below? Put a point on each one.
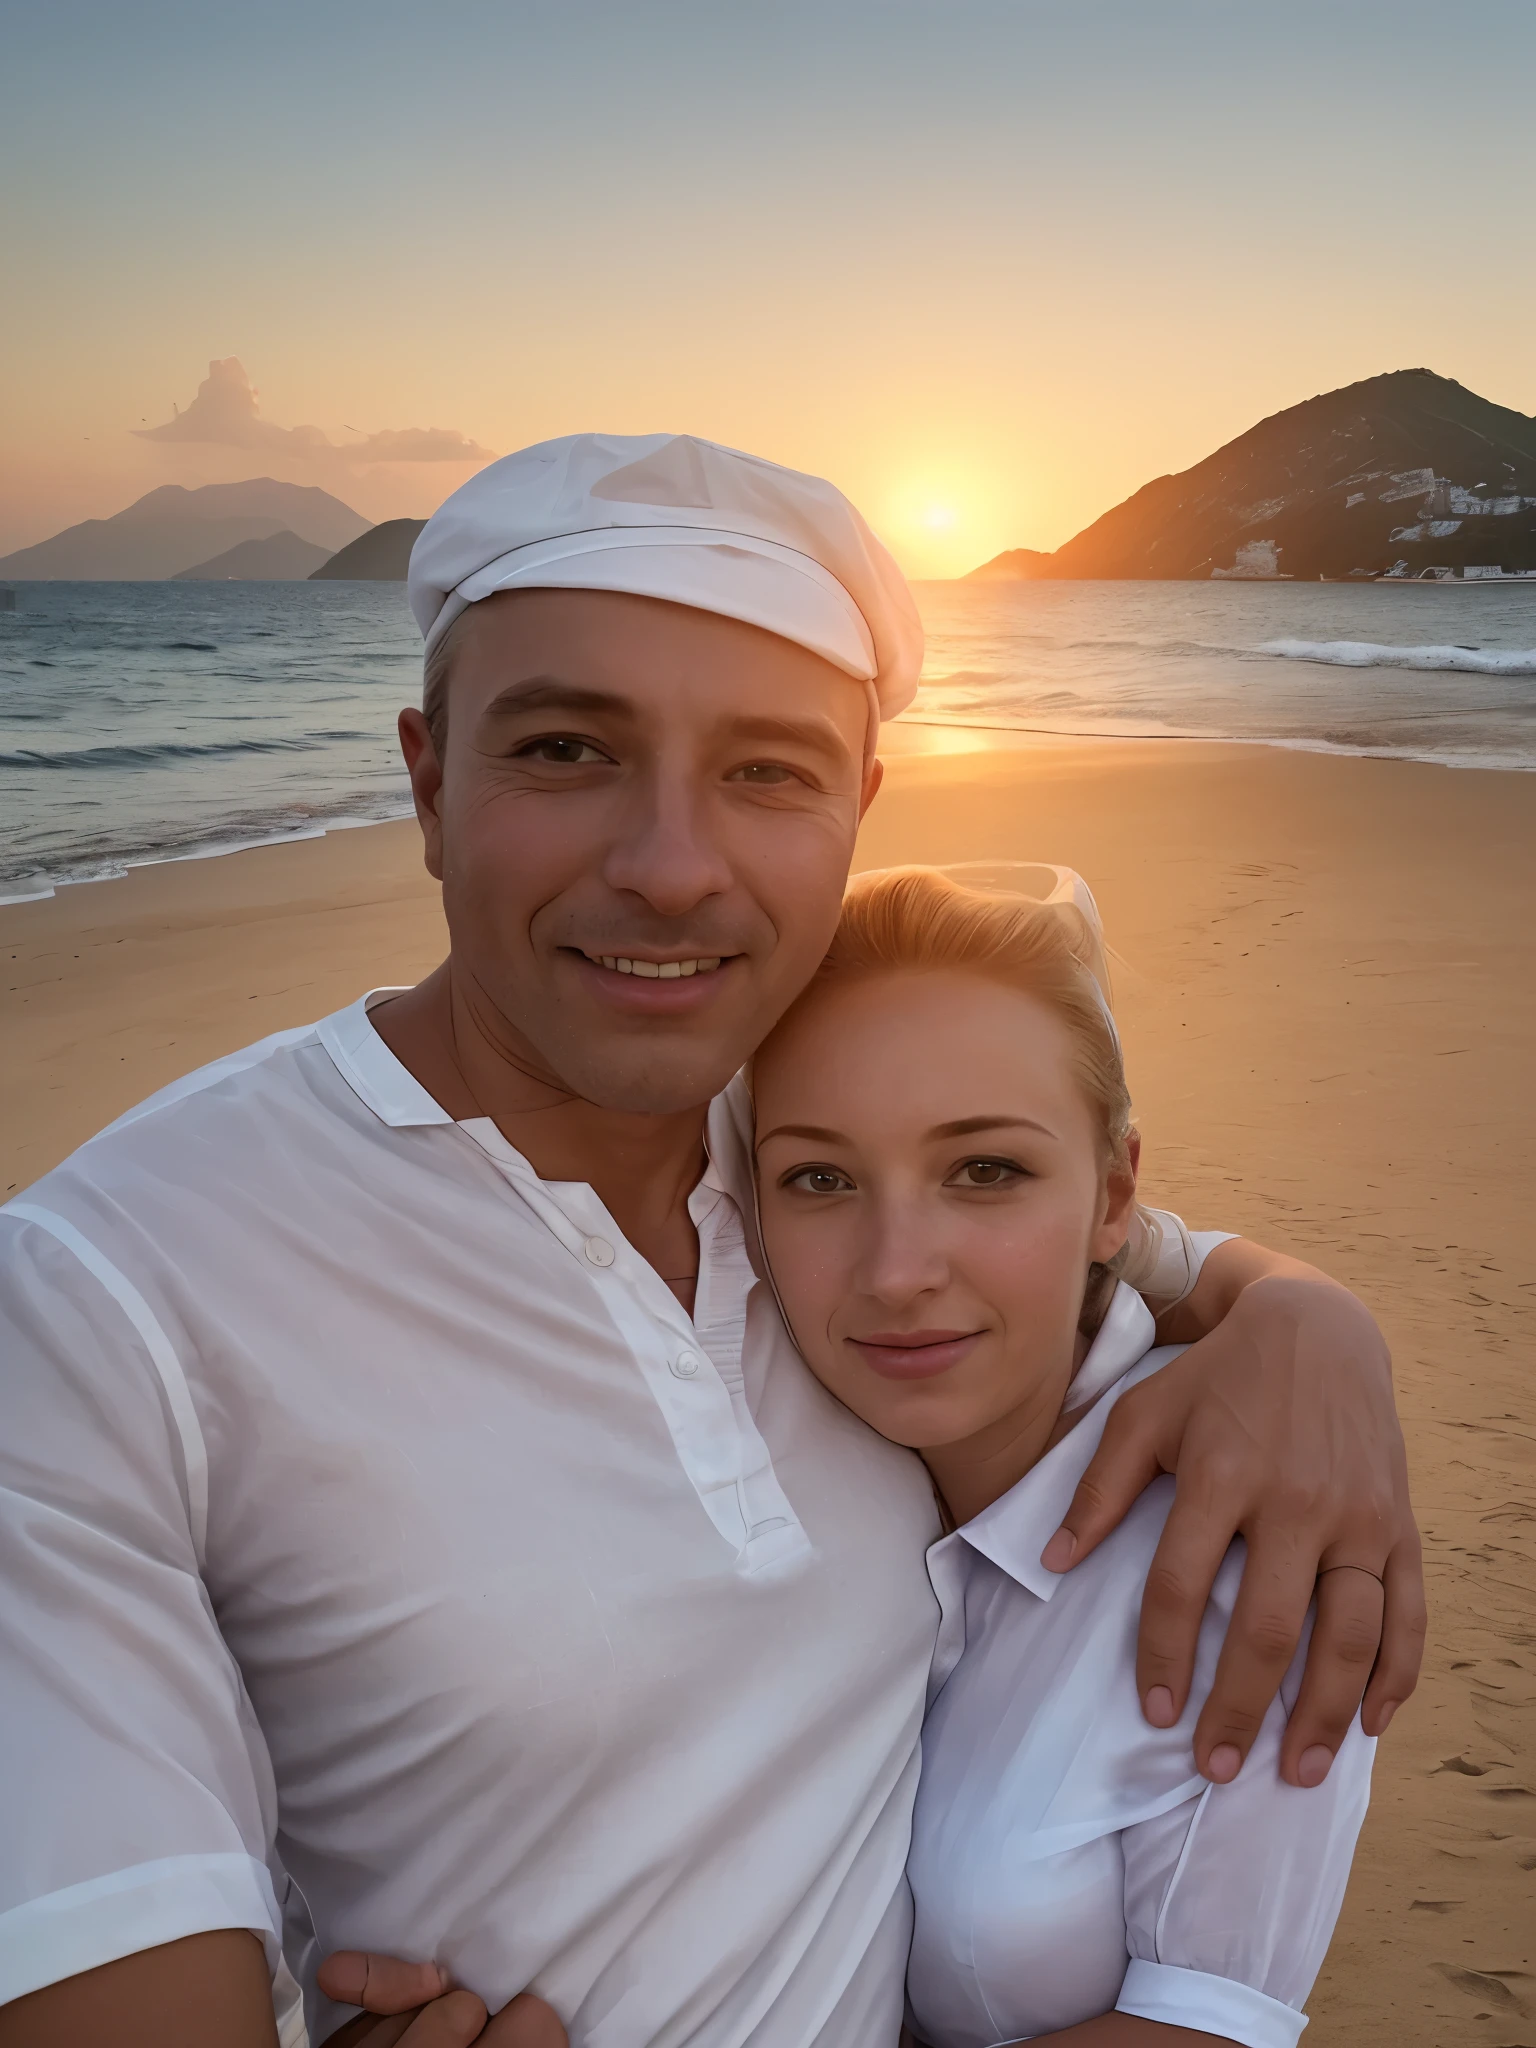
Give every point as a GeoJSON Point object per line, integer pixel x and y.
{"type": "Point", "coordinates": [187, 1994]}
{"type": "Point", "coordinates": [1280, 1426]}
{"type": "Point", "coordinates": [212, 1991]}
{"type": "Point", "coordinates": [134, 1785]}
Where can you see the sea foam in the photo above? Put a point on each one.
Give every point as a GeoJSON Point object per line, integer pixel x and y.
{"type": "Point", "coordinates": [1483, 661]}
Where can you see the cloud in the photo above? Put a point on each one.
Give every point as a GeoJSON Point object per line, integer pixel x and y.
{"type": "Point", "coordinates": [417, 444]}
{"type": "Point", "coordinates": [227, 413]}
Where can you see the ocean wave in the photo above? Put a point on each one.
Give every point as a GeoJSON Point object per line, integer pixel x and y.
{"type": "Point", "coordinates": [23, 884]}
{"type": "Point", "coordinates": [1482, 661]}
{"type": "Point", "coordinates": [153, 754]}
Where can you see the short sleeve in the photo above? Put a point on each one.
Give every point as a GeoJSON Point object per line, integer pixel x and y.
{"type": "Point", "coordinates": [135, 1786]}
{"type": "Point", "coordinates": [1231, 1899]}
{"type": "Point", "coordinates": [1165, 1258]}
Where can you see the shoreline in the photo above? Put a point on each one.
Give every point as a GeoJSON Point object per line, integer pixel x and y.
{"type": "Point", "coordinates": [951, 738]}
{"type": "Point", "coordinates": [1325, 971]}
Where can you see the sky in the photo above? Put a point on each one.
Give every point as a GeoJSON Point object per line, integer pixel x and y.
{"type": "Point", "coordinates": [989, 264]}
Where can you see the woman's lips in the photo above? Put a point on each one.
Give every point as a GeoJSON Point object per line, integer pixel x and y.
{"type": "Point", "coordinates": [914, 1354]}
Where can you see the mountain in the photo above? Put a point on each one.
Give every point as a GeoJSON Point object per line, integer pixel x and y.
{"type": "Point", "coordinates": [381, 555]}
{"type": "Point", "coordinates": [1392, 476]}
{"type": "Point", "coordinates": [171, 529]}
{"type": "Point", "coordinates": [280, 558]}
{"type": "Point", "coordinates": [1016, 566]}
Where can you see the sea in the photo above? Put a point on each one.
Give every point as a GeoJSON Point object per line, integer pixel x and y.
{"type": "Point", "coordinates": [143, 722]}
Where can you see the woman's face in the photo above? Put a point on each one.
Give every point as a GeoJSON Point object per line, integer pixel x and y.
{"type": "Point", "coordinates": [933, 1193]}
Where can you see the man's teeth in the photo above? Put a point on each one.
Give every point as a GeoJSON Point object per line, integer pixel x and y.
{"type": "Point", "coordinates": [658, 970]}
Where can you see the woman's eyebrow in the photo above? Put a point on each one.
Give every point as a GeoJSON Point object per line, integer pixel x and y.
{"type": "Point", "coordinates": [967, 1126]}
{"type": "Point", "coordinates": [814, 1132]}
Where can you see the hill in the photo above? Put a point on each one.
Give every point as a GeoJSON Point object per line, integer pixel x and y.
{"type": "Point", "coordinates": [280, 558]}
{"type": "Point", "coordinates": [171, 529]}
{"type": "Point", "coordinates": [1018, 565]}
{"type": "Point", "coordinates": [1391, 476]}
{"type": "Point", "coordinates": [381, 555]}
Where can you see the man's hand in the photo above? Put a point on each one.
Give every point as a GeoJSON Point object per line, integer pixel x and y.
{"type": "Point", "coordinates": [414, 2005]}
{"type": "Point", "coordinates": [1280, 1426]}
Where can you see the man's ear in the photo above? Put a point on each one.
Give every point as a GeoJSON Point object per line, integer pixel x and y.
{"type": "Point", "coordinates": [874, 775]}
{"type": "Point", "coordinates": [426, 773]}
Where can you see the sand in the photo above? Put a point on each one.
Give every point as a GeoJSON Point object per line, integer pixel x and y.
{"type": "Point", "coordinates": [1326, 980]}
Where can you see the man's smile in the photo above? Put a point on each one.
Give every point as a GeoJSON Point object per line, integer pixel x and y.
{"type": "Point", "coordinates": [655, 970]}
{"type": "Point", "coordinates": [635, 985]}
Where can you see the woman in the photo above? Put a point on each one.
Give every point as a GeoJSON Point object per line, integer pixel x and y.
{"type": "Point", "coordinates": [947, 1179]}
{"type": "Point", "coordinates": [946, 1185]}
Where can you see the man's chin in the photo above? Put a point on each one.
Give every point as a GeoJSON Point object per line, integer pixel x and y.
{"type": "Point", "coordinates": [651, 1071]}
{"type": "Point", "coordinates": [655, 1088]}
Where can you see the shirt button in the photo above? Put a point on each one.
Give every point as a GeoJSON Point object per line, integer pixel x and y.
{"type": "Point", "coordinates": [686, 1365]}
{"type": "Point", "coordinates": [599, 1251]}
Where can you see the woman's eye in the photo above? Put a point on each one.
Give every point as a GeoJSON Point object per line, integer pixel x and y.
{"type": "Point", "coordinates": [818, 1180]}
{"type": "Point", "coordinates": [561, 749]}
{"type": "Point", "coordinates": [985, 1173]}
{"type": "Point", "coordinates": [763, 774]}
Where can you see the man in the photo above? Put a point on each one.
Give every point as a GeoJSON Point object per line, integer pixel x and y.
{"type": "Point", "coordinates": [418, 1526]}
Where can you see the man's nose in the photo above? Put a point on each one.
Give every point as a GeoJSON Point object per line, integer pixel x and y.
{"type": "Point", "coordinates": [668, 850]}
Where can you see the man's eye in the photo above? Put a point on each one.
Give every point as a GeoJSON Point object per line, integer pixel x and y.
{"type": "Point", "coordinates": [763, 774]}
{"type": "Point", "coordinates": [985, 1173]}
{"type": "Point", "coordinates": [818, 1180]}
{"type": "Point", "coordinates": [561, 748]}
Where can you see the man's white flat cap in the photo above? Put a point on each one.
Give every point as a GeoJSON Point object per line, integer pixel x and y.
{"type": "Point", "coordinates": [668, 516]}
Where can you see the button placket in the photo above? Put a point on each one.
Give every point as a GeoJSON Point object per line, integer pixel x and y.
{"type": "Point", "coordinates": [713, 1430]}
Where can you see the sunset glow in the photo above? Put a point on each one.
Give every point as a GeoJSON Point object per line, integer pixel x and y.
{"type": "Point", "coordinates": [986, 340]}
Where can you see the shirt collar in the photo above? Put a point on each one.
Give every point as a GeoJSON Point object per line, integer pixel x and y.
{"type": "Point", "coordinates": [1014, 1530]}
{"type": "Point", "coordinates": [397, 1098]}
{"type": "Point", "coordinates": [371, 1070]}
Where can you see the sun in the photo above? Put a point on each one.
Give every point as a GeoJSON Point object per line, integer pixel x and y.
{"type": "Point", "coordinates": [939, 518]}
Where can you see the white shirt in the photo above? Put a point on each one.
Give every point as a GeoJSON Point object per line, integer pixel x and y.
{"type": "Point", "coordinates": [386, 1548]}
{"type": "Point", "coordinates": [1067, 1859]}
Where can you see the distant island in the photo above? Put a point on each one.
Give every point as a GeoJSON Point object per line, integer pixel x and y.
{"type": "Point", "coordinates": [280, 558]}
{"type": "Point", "coordinates": [381, 555]}
{"type": "Point", "coordinates": [1404, 476]}
{"type": "Point", "coordinates": [259, 531]}
{"type": "Point", "coordinates": [171, 530]}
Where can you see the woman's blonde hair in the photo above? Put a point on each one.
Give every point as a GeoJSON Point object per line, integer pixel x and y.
{"type": "Point", "coordinates": [919, 919]}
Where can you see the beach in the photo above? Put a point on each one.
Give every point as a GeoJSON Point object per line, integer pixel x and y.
{"type": "Point", "coordinates": [1325, 979]}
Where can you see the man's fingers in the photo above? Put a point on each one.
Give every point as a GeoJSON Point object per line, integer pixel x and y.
{"type": "Point", "coordinates": [1404, 1620]}
{"type": "Point", "coordinates": [1120, 1471]}
{"type": "Point", "coordinates": [381, 1984]}
{"type": "Point", "coordinates": [456, 2020]}
{"type": "Point", "coordinates": [1345, 1638]}
{"type": "Point", "coordinates": [526, 2023]}
{"type": "Point", "coordinates": [1194, 1541]}
{"type": "Point", "coordinates": [452, 2021]}
{"type": "Point", "coordinates": [368, 2031]}
{"type": "Point", "coordinates": [1266, 1626]}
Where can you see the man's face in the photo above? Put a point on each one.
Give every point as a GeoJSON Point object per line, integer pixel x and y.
{"type": "Point", "coordinates": [643, 823]}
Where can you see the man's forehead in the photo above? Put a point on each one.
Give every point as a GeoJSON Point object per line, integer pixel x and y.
{"type": "Point", "coordinates": [643, 660]}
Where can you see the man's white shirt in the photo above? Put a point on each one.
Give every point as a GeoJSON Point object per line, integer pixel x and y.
{"type": "Point", "coordinates": [387, 1553]}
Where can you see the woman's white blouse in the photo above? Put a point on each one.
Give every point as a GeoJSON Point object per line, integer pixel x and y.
{"type": "Point", "coordinates": [1067, 1859]}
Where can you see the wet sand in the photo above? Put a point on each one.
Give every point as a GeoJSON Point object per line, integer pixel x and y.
{"type": "Point", "coordinates": [1327, 981]}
